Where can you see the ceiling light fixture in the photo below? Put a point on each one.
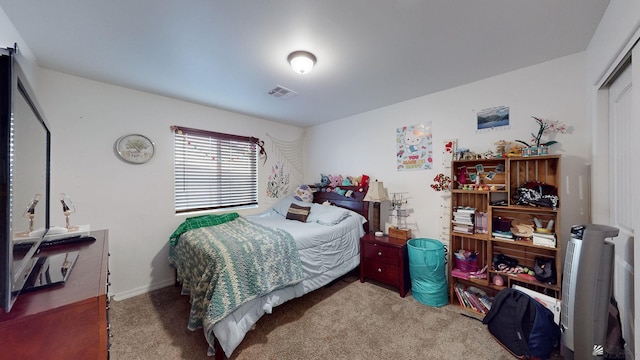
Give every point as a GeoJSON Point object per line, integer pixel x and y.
{"type": "Point", "coordinates": [301, 61]}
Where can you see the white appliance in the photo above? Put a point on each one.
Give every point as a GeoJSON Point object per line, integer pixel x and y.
{"type": "Point", "coordinates": [586, 290]}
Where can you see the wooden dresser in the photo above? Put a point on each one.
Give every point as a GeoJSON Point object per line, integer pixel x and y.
{"type": "Point", "coordinates": [385, 259]}
{"type": "Point", "coordinates": [67, 321]}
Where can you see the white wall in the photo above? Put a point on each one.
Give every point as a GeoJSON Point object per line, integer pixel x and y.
{"type": "Point", "coordinates": [366, 142]}
{"type": "Point", "coordinates": [135, 202]}
{"type": "Point", "coordinates": [616, 34]}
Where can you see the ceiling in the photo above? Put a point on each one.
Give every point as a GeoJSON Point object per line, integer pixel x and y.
{"type": "Point", "coordinates": [230, 54]}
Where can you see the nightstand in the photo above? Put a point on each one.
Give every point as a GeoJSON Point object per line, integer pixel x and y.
{"type": "Point", "coordinates": [385, 259]}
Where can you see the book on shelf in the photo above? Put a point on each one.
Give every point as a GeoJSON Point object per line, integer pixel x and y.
{"type": "Point", "coordinates": [477, 296]}
{"type": "Point", "coordinates": [462, 297]}
{"type": "Point", "coordinates": [459, 296]}
{"type": "Point", "coordinates": [475, 303]}
{"type": "Point", "coordinates": [486, 301]}
{"type": "Point", "coordinates": [461, 222]}
{"type": "Point", "coordinates": [504, 235]}
{"type": "Point", "coordinates": [545, 235]}
{"type": "Point", "coordinates": [464, 209]}
{"type": "Point", "coordinates": [467, 229]}
{"type": "Point", "coordinates": [463, 217]}
{"type": "Point", "coordinates": [544, 239]}
{"type": "Point", "coordinates": [473, 298]}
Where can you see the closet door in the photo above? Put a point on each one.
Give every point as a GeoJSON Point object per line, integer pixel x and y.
{"type": "Point", "coordinates": [623, 160]}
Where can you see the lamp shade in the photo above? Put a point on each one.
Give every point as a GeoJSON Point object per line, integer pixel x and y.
{"type": "Point", "coordinates": [376, 192]}
{"type": "Point", "coordinates": [301, 61]}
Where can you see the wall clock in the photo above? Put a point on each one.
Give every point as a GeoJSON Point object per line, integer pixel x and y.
{"type": "Point", "coordinates": [134, 148]}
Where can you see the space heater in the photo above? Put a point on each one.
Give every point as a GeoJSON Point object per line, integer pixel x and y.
{"type": "Point", "coordinates": [586, 291]}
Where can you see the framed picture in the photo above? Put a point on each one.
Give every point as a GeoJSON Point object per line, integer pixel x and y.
{"type": "Point", "coordinates": [479, 168]}
{"type": "Point", "coordinates": [500, 168]}
{"type": "Point", "coordinates": [493, 117]}
{"type": "Point", "coordinates": [490, 175]}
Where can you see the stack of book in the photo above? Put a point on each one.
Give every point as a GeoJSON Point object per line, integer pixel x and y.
{"type": "Point", "coordinates": [473, 298]}
{"type": "Point", "coordinates": [504, 235]}
{"type": "Point", "coordinates": [547, 239]}
{"type": "Point", "coordinates": [463, 219]}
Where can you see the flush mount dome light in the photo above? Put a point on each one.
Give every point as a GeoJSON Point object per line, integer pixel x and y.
{"type": "Point", "coordinates": [301, 61]}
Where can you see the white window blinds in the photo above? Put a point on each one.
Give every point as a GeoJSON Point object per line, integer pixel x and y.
{"type": "Point", "coordinates": [214, 170]}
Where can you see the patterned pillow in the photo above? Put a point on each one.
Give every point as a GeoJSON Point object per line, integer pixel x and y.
{"type": "Point", "coordinates": [297, 212]}
{"type": "Point", "coordinates": [303, 193]}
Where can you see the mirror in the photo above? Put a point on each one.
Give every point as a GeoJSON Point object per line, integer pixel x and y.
{"type": "Point", "coordinates": [29, 165]}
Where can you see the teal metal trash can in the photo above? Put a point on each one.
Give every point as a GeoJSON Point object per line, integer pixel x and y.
{"type": "Point", "coordinates": [427, 267]}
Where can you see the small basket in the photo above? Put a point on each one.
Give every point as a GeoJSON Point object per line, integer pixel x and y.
{"type": "Point", "coordinates": [467, 265]}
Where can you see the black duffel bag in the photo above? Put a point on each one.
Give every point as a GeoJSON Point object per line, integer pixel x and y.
{"type": "Point", "coordinates": [522, 325]}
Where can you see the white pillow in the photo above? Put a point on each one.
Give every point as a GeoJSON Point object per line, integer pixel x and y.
{"type": "Point", "coordinates": [327, 215]}
{"type": "Point", "coordinates": [282, 206]}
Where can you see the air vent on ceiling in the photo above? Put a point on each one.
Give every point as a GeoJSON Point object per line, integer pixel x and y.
{"type": "Point", "coordinates": [282, 92]}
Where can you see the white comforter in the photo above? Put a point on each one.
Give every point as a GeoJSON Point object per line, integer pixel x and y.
{"type": "Point", "coordinates": [326, 253]}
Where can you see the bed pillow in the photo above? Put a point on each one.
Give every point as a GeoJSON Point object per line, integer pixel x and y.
{"type": "Point", "coordinates": [327, 215]}
{"type": "Point", "coordinates": [297, 212]}
{"type": "Point", "coordinates": [303, 193]}
{"type": "Point", "coordinates": [282, 206]}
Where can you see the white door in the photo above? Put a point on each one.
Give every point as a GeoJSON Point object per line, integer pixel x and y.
{"type": "Point", "coordinates": [623, 159]}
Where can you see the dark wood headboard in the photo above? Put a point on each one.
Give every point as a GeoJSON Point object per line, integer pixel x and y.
{"type": "Point", "coordinates": [355, 202]}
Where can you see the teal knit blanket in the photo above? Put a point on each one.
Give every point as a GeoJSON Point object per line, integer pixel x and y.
{"type": "Point", "coordinates": [201, 221]}
{"type": "Point", "coordinates": [223, 267]}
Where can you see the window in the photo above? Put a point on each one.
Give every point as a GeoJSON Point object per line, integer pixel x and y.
{"type": "Point", "coordinates": [214, 170]}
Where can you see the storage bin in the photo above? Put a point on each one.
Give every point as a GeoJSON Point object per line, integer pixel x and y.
{"type": "Point", "coordinates": [466, 265]}
{"type": "Point", "coordinates": [427, 268]}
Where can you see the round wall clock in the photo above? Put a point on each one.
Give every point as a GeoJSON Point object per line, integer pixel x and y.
{"type": "Point", "coordinates": [134, 148]}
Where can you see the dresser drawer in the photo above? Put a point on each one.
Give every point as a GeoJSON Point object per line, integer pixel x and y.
{"type": "Point", "coordinates": [385, 273]}
{"type": "Point", "coordinates": [380, 254]}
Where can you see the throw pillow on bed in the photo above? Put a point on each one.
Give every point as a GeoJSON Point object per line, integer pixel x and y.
{"type": "Point", "coordinates": [303, 193]}
{"type": "Point", "coordinates": [297, 212]}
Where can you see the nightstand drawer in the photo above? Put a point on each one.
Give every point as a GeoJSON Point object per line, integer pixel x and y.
{"type": "Point", "coordinates": [384, 273]}
{"type": "Point", "coordinates": [376, 253]}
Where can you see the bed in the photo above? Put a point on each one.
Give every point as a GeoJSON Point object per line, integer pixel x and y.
{"type": "Point", "coordinates": [270, 261]}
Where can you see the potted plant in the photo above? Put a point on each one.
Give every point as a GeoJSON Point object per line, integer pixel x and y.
{"type": "Point", "coordinates": [548, 128]}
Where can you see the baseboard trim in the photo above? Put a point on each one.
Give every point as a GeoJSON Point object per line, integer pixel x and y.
{"type": "Point", "coordinates": [143, 290]}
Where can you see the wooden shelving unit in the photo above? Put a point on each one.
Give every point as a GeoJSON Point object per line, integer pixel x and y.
{"type": "Point", "coordinates": [508, 175]}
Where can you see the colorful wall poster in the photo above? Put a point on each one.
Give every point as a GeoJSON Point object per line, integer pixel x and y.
{"type": "Point", "coordinates": [414, 147]}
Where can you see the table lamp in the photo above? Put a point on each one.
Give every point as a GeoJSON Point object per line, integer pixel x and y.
{"type": "Point", "coordinates": [376, 194]}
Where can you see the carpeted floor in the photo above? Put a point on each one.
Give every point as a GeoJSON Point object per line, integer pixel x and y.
{"type": "Point", "coordinates": [347, 320]}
